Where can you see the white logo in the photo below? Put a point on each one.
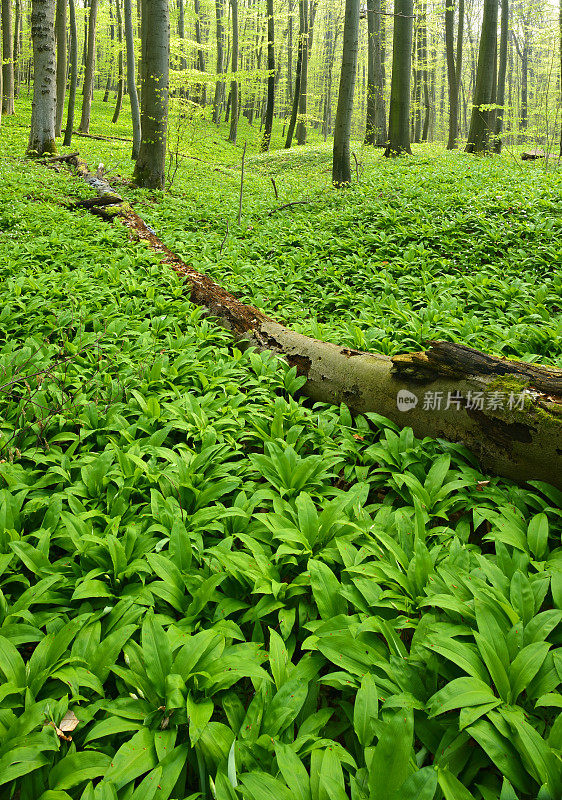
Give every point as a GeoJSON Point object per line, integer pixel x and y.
{"type": "Point", "coordinates": [406, 400]}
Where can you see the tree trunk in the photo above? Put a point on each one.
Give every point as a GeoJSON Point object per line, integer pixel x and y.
{"type": "Point", "coordinates": [120, 72]}
{"type": "Point", "coordinates": [508, 413]}
{"type": "Point", "coordinates": [560, 45]}
{"type": "Point", "coordinates": [502, 68]}
{"type": "Point", "coordinates": [60, 33]}
{"type": "Point", "coordinates": [219, 88]}
{"type": "Point", "coordinates": [88, 88]}
{"type": "Point", "coordinates": [303, 94]}
{"type": "Point", "coordinates": [16, 48]}
{"type": "Point", "coordinates": [270, 79]}
{"type": "Point", "coordinates": [131, 81]}
{"type": "Point", "coordinates": [150, 166]}
{"type": "Point", "coordinates": [298, 76]}
{"type": "Point", "coordinates": [479, 132]}
{"type": "Point", "coordinates": [110, 60]}
{"type": "Point", "coordinates": [341, 166]}
{"type": "Point", "coordinates": [289, 99]}
{"type": "Point", "coordinates": [73, 74]}
{"type": "Point", "coordinates": [202, 88]}
{"type": "Point", "coordinates": [453, 76]}
{"type": "Point", "coordinates": [399, 121]}
{"type": "Point", "coordinates": [424, 73]}
{"type": "Point", "coordinates": [234, 83]}
{"type": "Point", "coordinates": [42, 134]}
{"type": "Point", "coordinates": [376, 112]}
{"type": "Point", "coordinates": [7, 59]}
{"type": "Point", "coordinates": [329, 46]}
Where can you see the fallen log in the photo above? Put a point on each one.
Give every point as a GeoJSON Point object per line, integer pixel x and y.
{"type": "Point", "coordinates": [508, 413]}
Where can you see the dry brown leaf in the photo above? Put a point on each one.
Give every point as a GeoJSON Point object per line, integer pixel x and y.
{"type": "Point", "coordinates": [69, 722]}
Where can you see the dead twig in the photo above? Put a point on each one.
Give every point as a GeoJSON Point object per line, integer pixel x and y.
{"type": "Point", "coordinates": [288, 205]}
{"type": "Point", "coordinates": [224, 240]}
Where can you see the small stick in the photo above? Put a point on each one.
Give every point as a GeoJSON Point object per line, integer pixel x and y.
{"type": "Point", "coordinates": [356, 166]}
{"type": "Point", "coordinates": [224, 240]}
{"type": "Point", "coordinates": [288, 205]}
{"type": "Point", "coordinates": [241, 185]}
{"type": "Point", "coordinates": [53, 159]}
{"type": "Point", "coordinates": [275, 189]}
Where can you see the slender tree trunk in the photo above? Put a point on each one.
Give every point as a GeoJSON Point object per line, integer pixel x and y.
{"type": "Point", "coordinates": [425, 74]}
{"type": "Point", "coordinates": [131, 80]}
{"type": "Point", "coordinates": [303, 95]}
{"type": "Point", "coordinates": [42, 134]}
{"type": "Point", "coordinates": [418, 82]}
{"type": "Point", "coordinates": [524, 77]}
{"type": "Point", "coordinates": [234, 83]}
{"type": "Point", "coordinates": [560, 45]}
{"type": "Point", "coordinates": [452, 74]}
{"type": "Point", "coordinates": [328, 70]}
{"type": "Point", "coordinates": [502, 69]}
{"type": "Point", "coordinates": [88, 87]}
{"type": "Point", "coordinates": [120, 70]}
{"type": "Point", "coordinates": [270, 79]}
{"type": "Point", "coordinates": [399, 121]}
{"type": "Point", "coordinates": [16, 48]}
{"type": "Point", "coordinates": [298, 77]}
{"type": "Point", "coordinates": [341, 166]}
{"type": "Point", "coordinates": [202, 93]}
{"type": "Point", "coordinates": [150, 166]}
{"type": "Point", "coordinates": [376, 111]}
{"type": "Point", "coordinates": [219, 88]}
{"type": "Point", "coordinates": [479, 132]}
{"type": "Point", "coordinates": [60, 32]}
{"type": "Point", "coordinates": [110, 60]}
{"type": "Point", "coordinates": [7, 59]}
{"type": "Point", "coordinates": [289, 100]}
{"type": "Point", "coordinates": [73, 74]}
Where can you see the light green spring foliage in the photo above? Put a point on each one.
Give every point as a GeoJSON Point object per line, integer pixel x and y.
{"type": "Point", "coordinates": [238, 595]}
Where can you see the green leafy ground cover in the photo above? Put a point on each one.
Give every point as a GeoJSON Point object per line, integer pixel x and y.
{"type": "Point", "coordinates": [237, 594]}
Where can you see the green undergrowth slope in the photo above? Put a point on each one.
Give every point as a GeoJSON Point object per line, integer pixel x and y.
{"type": "Point", "coordinates": [211, 587]}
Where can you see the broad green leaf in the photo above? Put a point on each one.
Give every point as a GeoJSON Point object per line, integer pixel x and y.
{"type": "Point", "coordinates": [365, 710]}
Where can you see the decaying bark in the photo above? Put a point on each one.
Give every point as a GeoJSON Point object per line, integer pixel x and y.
{"type": "Point", "coordinates": [508, 413]}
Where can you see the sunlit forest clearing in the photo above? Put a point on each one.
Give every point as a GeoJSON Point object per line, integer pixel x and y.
{"type": "Point", "coordinates": [280, 427]}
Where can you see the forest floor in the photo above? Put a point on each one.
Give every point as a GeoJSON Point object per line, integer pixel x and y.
{"type": "Point", "coordinates": [315, 579]}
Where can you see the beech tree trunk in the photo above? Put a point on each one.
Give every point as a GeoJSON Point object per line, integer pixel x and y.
{"type": "Point", "coordinates": [270, 78]}
{"type": "Point", "coordinates": [298, 76]}
{"type": "Point", "coordinates": [303, 94]}
{"type": "Point", "coordinates": [120, 65]}
{"type": "Point", "coordinates": [42, 133]}
{"type": "Point", "coordinates": [376, 112]}
{"type": "Point", "coordinates": [341, 166]}
{"type": "Point", "coordinates": [150, 167]}
{"type": "Point", "coordinates": [479, 132]}
{"type": "Point", "coordinates": [399, 121]}
{"type": "Point", "coordinates": [73, 73]}
{"type": "Point", "coordinates": [502, 69]}
{"type": "Point", "coordinates": [219, 88]}
{"type": "Point", "coordinates": [234, 83]}
{"type": "Point", "coordinates": [7, 59]}
{"type": "Point", "coordinates": [131, 79]}
{"type": "Point", "coordinates": [453, 74]}
{"type": "Point", "coordinates": [60, 32]}
{"type": "Point", "coordinates": [202, 93]}
{"type": "Point", "coordinates": [88, 88]}
{"type": "Point", "coordinates": [16, 47]}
